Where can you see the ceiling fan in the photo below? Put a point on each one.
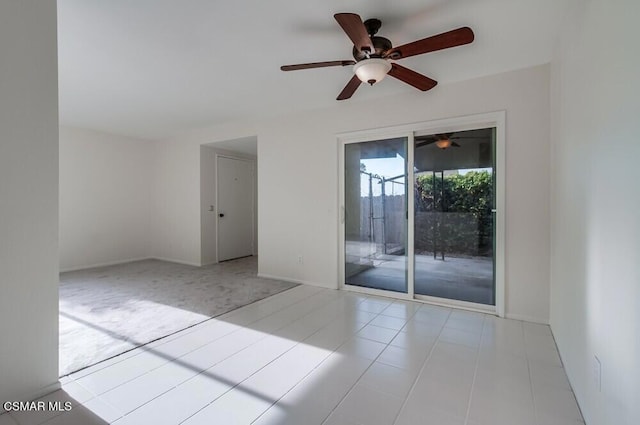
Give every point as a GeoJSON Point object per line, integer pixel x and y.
{"type": "Point", "coordinates": [374, 55]}
{"type": "Point", "coordinates": [442, 141]}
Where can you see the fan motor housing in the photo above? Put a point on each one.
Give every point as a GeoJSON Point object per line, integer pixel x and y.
{"type": "Point", "coordinates": [380, 44]}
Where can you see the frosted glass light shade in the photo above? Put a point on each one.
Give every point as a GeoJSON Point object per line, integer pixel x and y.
{"type": "Point", "coordinates": [443, 143]}
{"type": "Point", "coordinates": [372, 70]}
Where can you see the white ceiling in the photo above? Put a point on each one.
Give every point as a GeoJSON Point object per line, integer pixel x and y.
{"type": "Point", "coordinates": [153, 68]}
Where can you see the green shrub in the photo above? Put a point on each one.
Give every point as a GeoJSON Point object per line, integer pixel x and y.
{"type": "Point", "coordinates": [454, 214]}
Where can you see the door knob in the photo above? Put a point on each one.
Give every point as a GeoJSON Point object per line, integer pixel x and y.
{"type": "Point", "coordinates": [221, 215]}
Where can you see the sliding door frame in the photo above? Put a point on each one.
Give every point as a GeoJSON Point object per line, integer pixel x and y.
{"type": "Point", "coordinates": [463, 123]}
{"type": "Point", "coordinates": [359, 137]}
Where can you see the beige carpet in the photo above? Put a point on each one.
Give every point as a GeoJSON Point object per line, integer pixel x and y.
{"type": "Point", "coordinates": [107, 311]}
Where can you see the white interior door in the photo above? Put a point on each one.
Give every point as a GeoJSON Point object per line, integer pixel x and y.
{"type": "Point", "coordinates": [235, 188]}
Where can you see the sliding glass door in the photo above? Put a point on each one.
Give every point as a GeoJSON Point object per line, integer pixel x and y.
{"type": "Point", "coordinates": [454, 180]}
{"type": "Point", "coordinates": [375, 225]}
{"type": "Point", "coordinates": [422, 214]}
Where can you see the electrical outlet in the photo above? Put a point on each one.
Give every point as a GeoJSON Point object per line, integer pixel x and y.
{"type": "Point", "coordinates": [597, 373]}
{"type": "Point", "coordinates": [300, 259]}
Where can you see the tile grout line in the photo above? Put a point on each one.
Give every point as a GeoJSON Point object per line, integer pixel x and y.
{"type": "Point", "coordinates": [373, 361]}
{"type": "Point", "coordinates": [222, 273]}
{"type": "Point", "coordinates": [122, 415]}
{"type": "Point", "coordinates": [382, 363]}
{"type": "Point", "coordinates": [315, 367]}
{"type": "Point", "coordinates": [424, 364]}
{"type": "Point", "coordinates": [172, 337]}
{"type": "Point", "coordinates": [564, 370]}
{"type": "Point", "coordinates": [187, 330]}
{"type": "Point", "coordinates": [270, 362]}
{"type": "Point", "coordinates": [236, 328]}
{"type": "Point", "coordinates": [240, 350]}
{"type": "Point", "coordinates": [526, 356]}
{"type": "Point", "coordinates": [298, 343]}
{"type": "Point", "coordinates": [362, 374]}
{"type": "Point", "coordinates": [475, 372]}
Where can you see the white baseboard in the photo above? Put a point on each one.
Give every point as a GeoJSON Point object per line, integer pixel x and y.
{"type": "Point", "coordinates": [131, 260]}
{"type": "Point", "coordinates": [171, 260]}
{"type": "Point", "coordinates": [298, 281]}
{"type": "Point", "coordinates": [36, 395]}
{"type": "Point", "coordinates": [526, 318]}
{"type": "Point", "coordinates": [109, 263]}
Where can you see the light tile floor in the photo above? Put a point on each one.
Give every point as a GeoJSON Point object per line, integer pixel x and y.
{"type": "Point", "coordinates": [314, 356]}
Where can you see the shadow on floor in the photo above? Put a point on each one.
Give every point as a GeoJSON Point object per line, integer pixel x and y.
{"type": "Point", "coordinates": [110, 310]}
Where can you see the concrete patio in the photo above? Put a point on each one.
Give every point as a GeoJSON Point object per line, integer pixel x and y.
{"type": "Point", "coordinates": [464, 279]}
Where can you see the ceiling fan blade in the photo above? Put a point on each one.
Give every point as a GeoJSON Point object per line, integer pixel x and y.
{"type": "Point", "coordinates": [316, 65]}
{"type": "Point", "coordinates": [424, 142]}
{"type": "Point", "coordinates": [454, 144]}
{"type": "Point", "coordinates": [457, 37]}
{"type": "Point", "coordinates": [424, 138]}
{"type": "Point", "coordinates": [350, 88]}
{"type": "Point", "coordinates": [353, 26]}
{"type": "Point", "coordinates": [410, 77]}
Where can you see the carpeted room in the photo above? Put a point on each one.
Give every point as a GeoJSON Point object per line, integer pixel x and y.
{"type": "Point", "coordinates": [120, 286]}
{"type": "Point", "coordinates": [107, 311]}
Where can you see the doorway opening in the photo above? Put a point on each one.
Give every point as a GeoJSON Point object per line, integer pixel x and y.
{"type": "Point", "coordinates": [228, 200]}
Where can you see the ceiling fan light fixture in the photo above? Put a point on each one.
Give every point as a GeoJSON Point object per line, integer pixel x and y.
{"type": "Point", "coordinates": [373, 54]}
{"type": "Point", "coordinates": [443, 143]}
{"type": "Point", "coordinates": [372, 70]}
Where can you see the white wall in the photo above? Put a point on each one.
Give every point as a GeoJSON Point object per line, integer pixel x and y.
{"type": "Point", "coordinates": [176, 219]}
{"type": "Point", "coordinates": [105, 198]}
{"type": "Point", "coordinates": [208, 196]}
{"type": "Point", "coordinates": [28, 198]}
{"type": "Point", "coordinates": [297, 174]}
{"type": "Point", "coordinates": [595, 273]}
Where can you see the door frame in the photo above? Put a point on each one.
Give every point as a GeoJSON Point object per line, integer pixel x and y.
{"type": "Point", "coordinates": [463, 123]}
{"type": "Point", "coordinates": [253, 201]}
